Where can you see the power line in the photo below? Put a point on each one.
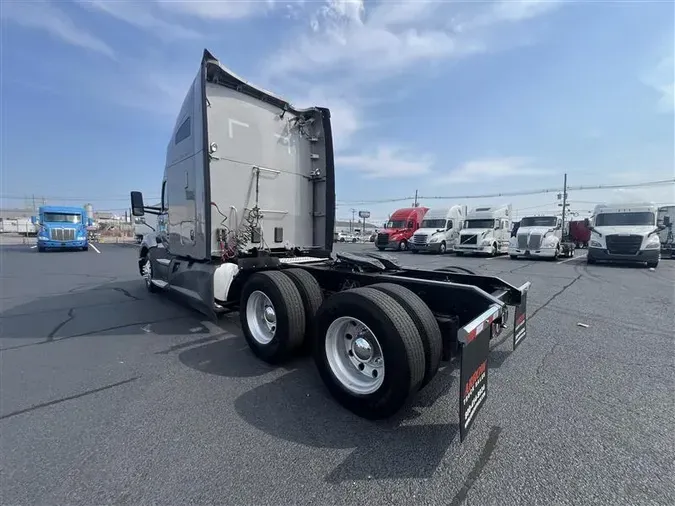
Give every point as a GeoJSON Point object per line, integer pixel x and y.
{"type": "Point", "coordinates": [517, 193]}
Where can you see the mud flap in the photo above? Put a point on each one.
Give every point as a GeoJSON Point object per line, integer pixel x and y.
{"type": "Point", "coordinates": [474, 341]}
{"type": "Point", "coordinates": [520, 317]}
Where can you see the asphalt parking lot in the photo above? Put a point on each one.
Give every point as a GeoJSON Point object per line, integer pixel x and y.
{"type": "Point", "coordinates": [110, 394]}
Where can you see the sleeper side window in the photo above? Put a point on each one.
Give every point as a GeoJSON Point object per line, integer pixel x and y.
{"type": "Point", "coordinates": [183, 131]}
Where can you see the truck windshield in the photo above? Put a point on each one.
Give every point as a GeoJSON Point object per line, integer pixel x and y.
{"type": "Point", "coordinates": [619, 219]}
{"type": "Point", "coordinates": [538, 221]}
{"type": "Point", "coordinates": [61, 218]}
{"type": "Point", "coordinates": [396, 224]}
{"type": "Point", "coordinates": [479, 223]}
{"type": "Point", "coordinates": [433, 223]}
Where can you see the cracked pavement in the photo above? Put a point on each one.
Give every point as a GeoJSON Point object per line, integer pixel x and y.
{"type": "Point", "coordinates": [111, 394]}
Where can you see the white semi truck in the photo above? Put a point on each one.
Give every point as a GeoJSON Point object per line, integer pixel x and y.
{"type": "Point", "coordinates": [625, 233]}
{"type": "Point", "coordinates": [439, 230]}
{"type": "Point", "coordinates": [486, 230]}
{"type": "Point", "coordinates": [246, 224]}
{"type": "Point", "coordinates": [540, 237]}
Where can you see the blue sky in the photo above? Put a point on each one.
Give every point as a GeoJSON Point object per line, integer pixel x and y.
{"type": "Point", "coordinates": [449, 98]}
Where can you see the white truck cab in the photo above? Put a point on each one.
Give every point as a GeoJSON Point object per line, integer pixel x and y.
{"type": "Point", "coordinates": [439, 230]}
{"type": "Point", "coordinates": [625, 233]}
{"type": "Point", "coordinates": [485, 230]}
{"type": "Point", "coordinates": [537, 236]}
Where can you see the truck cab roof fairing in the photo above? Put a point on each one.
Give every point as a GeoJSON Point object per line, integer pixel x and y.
{"type": "Point", "coordinates": [214, 72]}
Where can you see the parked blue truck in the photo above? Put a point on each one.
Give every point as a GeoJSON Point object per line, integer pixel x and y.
{"type": "Point", "coordinates": [62, 228]}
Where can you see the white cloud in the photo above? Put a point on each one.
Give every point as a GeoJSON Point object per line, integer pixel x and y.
{"type": "Point", "coordinates": [142, 15]}
{"type": "Point", "coordinates": [44, 15]}
{"type": "Point", "coordinates": [386, 162]}
{"type": "Point", "coordinates": [390, 37]}
{"type": "Point", "coordinates": [662, 81]}
{"type": "Point", "coordinates": [490, 169]}
{"type": "Point", "coordinates": [220, 10]}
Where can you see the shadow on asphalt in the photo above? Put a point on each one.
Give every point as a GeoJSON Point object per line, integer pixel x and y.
{"type": "Point", "coordinates": [124, 307]}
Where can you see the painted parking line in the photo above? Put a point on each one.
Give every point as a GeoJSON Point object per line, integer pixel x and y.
{"type": "Point", "coordinates": [95, 248]}
{"type": "Point", "coordinates": [33, 247]}
{"type": "Point", "coordinates": [581, 257]}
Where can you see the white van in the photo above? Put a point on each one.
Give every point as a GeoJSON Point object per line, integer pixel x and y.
{"type": "Point", "coordinates": [439, 230]}
{"type": "Point", "coordinates": [537, 236]}
{"type": "Point", "coordinates": [625, 233]}
{"type": "Point", "coordinates": [486, 230]}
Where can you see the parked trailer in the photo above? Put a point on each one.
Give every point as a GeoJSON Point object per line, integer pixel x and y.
{"type": "Point", "coordinates": [377, 331]}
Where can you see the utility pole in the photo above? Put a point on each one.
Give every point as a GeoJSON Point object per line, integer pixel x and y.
{"type": "Point", "coordinates": [564, 201]}
{"type": "Point", "coordinates": [351, 222]}
{"type": "Point", "coordinates": [415, 204]}
{"type": "Point", "coordinates": [33, 202]}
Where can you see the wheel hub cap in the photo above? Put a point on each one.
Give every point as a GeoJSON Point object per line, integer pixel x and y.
{"type": "Point", "coordinates": [362, 349]}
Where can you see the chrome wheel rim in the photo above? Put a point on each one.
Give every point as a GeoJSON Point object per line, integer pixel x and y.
{"type": "Point", "coordinates": [354, 356]}
{"type": "Point", "coordinates": [261, 317]}
{"type": "Point", "coordinates": [147, 272]}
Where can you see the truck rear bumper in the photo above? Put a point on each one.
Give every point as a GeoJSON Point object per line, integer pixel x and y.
{"type": "Point", "coordinates": [47, 243]}
{"type": "Point", "coordinates": [540, 253]}
{"type": "Point", "coordinates": [648, 255]}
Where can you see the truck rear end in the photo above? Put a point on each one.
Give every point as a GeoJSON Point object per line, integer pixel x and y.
{"type": "Point", "coordinates": [248, 211]}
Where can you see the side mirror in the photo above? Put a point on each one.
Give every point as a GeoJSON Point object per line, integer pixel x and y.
{"type": "Point", "coordinates": [587, 223]}
{"type": "Point", "coordinates": [410, 224]}
{"type": "Point", "coordinates": [137, 204]}
{"type": "Point", "coordinates": [33, 220]}
{"type": "Point", "coordinates": [666, 221]}
{"type": "Point", "coordinates": [90, 222]}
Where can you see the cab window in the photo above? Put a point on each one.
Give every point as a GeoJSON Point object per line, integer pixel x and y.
{"type": "Point", "coordinates": [449, 225]}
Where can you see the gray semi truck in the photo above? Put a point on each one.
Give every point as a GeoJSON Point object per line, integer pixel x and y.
{"type": "Point", "coordinates": [245, 224]}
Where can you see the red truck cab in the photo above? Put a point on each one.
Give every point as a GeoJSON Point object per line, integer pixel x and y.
{"type": "Point", "coordinates": [580, 235]}
{"type": "Point", "coordinates": [400, 228]}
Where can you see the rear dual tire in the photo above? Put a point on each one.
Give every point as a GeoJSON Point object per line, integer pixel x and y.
{"type": "Point", "coordinates": [368, 352]}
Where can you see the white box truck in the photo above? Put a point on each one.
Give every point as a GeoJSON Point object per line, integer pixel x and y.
{"type": "Point", "coordinates": [439, 230]}
{"type": "Point", "coordinates": [486, 230]}
{"type": "Point", "coordinates": [625, 233]}
{"type": "Point", "coordinates": [246, 223]}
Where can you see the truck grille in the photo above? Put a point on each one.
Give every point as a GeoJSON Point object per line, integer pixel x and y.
{"type": "Point", "coordinates": [535, 241]}
{"type": "Point", "coordinates": [624, 244]}
{"type": "Point", "coordinates": [469, 239]}
{"type": "Point", "coordinates": [383, 239]}
{"type": "Point", "coordinates": [522, 241]}
{"type": "Point", "coordinates": [420, 239]}
{"type": "Point", "coordinates": [62, 234]}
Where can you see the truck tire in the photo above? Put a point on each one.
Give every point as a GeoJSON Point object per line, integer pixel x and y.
{"type": "Point", "coordinates": [494, 251]}
{"type": "Point", "coordinates": [85, 248]}
{"type": "Point", "coordinates": [442, 248]}
{"type": "Point", "coordinates": [41, 249]}
{"type": "Point", "coordinates": [590, 260]}
{"type": "Point", "coordinates": [381, 249]}
{"type": "Point", "coordinates": [146, 272]}
{"type": "Point", "coordinates": [312, 298]}
{"type": "Point", "coordinates": [403, 245]}
{"type": "Point", "coordinates": [368, 352]}
{"type": "Point", "coordinates": [425, 321]}
{"type": "Point", "coordinates": [514, 257]}
{"type": "Point", "coordinates": [272, 316]}
{"type": "Point", "coordinates": [413, 250]}
{"type": "Point", "coordinates": [459, 253]}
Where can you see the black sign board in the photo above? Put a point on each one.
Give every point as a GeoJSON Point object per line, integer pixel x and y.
{"type": "Point", "coordinates": [473, 372]}
{"type": "Point", "coordinates": [520, 318]}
